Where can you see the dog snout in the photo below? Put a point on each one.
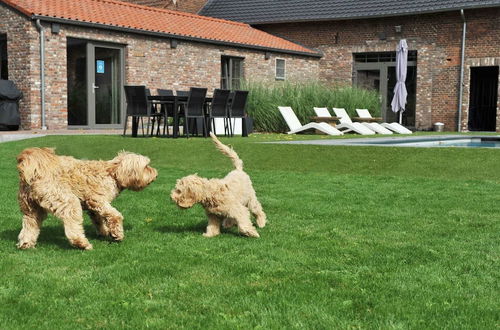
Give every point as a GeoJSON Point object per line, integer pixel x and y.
{"type": "Point", "coordinates": [152, 172]}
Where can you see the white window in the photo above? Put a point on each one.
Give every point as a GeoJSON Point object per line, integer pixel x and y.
{"type": "Point", "coordinates": [280, 69]}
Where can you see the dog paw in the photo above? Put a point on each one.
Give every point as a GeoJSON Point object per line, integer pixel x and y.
{"type": "Point", "coordinates": [25, 245]}
{"type": "Point", "coordinates": [209, 235]}
{"type": "Point", "coordinates": [81, 243]}
{"type": "Point", "coordinates": [250, 233]}
{"type": "Point", "coordinates": [261, 223]}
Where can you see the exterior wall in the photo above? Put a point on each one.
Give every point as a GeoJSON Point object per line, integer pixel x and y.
{"type": "Point", "coordinates": [21, 34]}
{"type": "Point", "coordinates": [149, 61]}
{"type": "Point", "coordinates": [435, 37]}
{"type": "Point", "coordinates": [190, 6]}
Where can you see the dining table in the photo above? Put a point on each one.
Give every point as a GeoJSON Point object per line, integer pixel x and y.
{"type": "Point", "coordinates": [176, 101]}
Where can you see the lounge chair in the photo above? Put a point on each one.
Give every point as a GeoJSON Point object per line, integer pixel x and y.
{"type": "Point", "coordinates": [346, 125]}
{"type": "Point", "coordinates": [295, 126]}
{"type": "Point", "coordinates": [396, 127]}
{"type": "Point", "coordinates": [375, 127]}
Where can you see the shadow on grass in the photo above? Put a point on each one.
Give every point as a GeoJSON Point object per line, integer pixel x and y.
{"type": "Point", "coordinates": [55, 235]}
{"type": "Point", "coordinates": [194, 228]}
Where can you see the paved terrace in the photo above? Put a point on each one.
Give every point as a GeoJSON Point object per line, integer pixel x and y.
{"type": "Point", "coordinates": [6, 136]}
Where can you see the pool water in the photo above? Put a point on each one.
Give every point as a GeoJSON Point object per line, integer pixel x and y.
{"type": "Point", "coordinates": [472, 142]}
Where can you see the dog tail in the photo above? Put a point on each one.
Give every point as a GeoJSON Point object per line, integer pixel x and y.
{"type": "Point", "coordinates": [34, 163]}
{"type": "Point", "coordinates": [237, 162]}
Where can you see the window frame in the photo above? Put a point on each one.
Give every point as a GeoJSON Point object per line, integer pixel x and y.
{"type": "Point", "coordinates": [228, 81]}
{"type": "Point", "coordinates": [276, 69]}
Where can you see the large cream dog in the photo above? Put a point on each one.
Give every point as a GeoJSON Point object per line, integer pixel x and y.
{"type": "Point", "coordinates": [66, 186]}
{"type": "Point", "coordinates": [227, 201]}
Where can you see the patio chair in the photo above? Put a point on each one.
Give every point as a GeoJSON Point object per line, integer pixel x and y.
{"type": "Point", "coordinates": [345, 124]}
{"type": "Point", "coordinates": [195, 110]}
{"type": "Point", "coordinates": [166, 108]}
{"type": "Point", "coordinates": [220, 109]}
{"type": "Point", "coordinates": [156, 116]}
{"type": "Point", "coordinates": [375, 127]}
{"type": "Point", "coordinates": [182, 93]}
{"type": "Point", "coordinates": [396, 127]}
{"type": "Point", "coordinates": [138, 107]}
{"type": "Point", "coordinates": [295, 126]}
{"type": "Point", "coordinates": [237, 110]}
{"type": "Point", "coordinates": [165, 92]}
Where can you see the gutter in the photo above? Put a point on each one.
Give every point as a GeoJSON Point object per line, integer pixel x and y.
{"type": "Point", "coordinates": [461, 86]}
{"type": "Point", "coordinates": [313, 53]}
{"type": "Point", "coordinates": [42, 70]}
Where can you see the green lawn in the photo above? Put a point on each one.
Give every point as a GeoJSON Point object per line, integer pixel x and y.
{"type": "Point", "coordinates": [357, 237]}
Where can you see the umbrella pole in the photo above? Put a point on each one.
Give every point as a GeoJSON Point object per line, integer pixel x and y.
{"type": "Point", "coordinates": [400, 117]}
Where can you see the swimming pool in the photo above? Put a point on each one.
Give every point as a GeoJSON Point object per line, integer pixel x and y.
{"type": "Point", "coordinates": [458, 141]}
{"type": "Point", "coordinates": [464, 142]}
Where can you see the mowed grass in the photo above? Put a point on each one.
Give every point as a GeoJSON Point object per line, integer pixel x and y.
{"type": "Point", "coordinates": [358, 237]}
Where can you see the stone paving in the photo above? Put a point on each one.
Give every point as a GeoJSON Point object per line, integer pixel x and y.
{"type": "Point", "coordinates": [6, 136]}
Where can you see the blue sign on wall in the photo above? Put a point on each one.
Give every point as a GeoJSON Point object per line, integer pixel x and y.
{"type": "Point", "coordinates": [99, 66]}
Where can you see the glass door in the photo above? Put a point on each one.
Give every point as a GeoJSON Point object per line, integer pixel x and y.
{"type": "Point", "coordinates": [379, 73]}
{"type": "Point", "coordinates": [95, 80]}
{"type": "Point", "coordinates": [106, 86]}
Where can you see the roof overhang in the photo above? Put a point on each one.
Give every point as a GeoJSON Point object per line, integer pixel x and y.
{"type": "Point", "coordinates": [50, 19]}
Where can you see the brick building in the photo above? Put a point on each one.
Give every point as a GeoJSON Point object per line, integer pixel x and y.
{"type": "Point", "coordinates": [71, 58]}
{"type": "Point", "coordinates": [358, 41]}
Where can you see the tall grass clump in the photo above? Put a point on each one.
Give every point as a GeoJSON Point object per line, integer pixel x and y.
{"type": "Point", "coordinates": [264, 99]}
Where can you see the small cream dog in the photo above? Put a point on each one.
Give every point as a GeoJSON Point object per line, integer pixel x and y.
{"type": "Point", "coordinates": [227, 201]}
{"type": "Point", "coordinates": [66, 186]}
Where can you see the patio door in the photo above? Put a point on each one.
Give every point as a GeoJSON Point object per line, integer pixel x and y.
{"type": "Point", "coordinates": [95, 80]}
{"type": "Point", "coordinates": [377, 71]}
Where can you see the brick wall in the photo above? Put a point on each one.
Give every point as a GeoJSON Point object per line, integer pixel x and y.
{"type": "Point", "coordinates": [148, 60]}
{"type": "Point", "coordinates": [436, 38]}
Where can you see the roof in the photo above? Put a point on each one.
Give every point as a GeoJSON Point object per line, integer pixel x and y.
{"type": "Point", "coordinates": [280, 11]}
{"type": "Point", "coordinates": [111, 14]}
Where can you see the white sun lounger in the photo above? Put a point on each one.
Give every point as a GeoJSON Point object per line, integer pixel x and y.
{"type": "Point", "coordinates": [396, 127]}
{"type": "Point", "coordinates": [295, 126]}
{"type": "Point", "coordinates": [340, 112]}
{"type": "Point", "coordinates": [345, 125]}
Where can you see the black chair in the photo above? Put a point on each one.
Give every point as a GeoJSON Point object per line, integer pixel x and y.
{"type": "Point", "coordinates": [237, 110]}
{"type": "Point", "coordinates": [195, 110]}
{"type": "Point", "coordinates": [182, 93]}
{"type": "Point", "coordinates": [138, 107]}
{"type": "Point", "coordinates": [156, 116]}
{"type": "Point", "coordinates": [165, 92]}
{"type": "Point", "coordinates": [166, 108]}
{"type": "Point", "coordinates": [219, 109]}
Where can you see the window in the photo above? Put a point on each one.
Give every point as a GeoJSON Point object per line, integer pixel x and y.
{"type": "Point", "coordinates": [3, 57]}
{"type": "Point", "coordinates": [231, 72]}
{"type": "Point", "coordinates": [280, 69]}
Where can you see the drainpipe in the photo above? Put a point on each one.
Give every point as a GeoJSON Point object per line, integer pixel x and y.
{"type": "Point", "coordinates": [42, 70]}
{"type": "Point", "coordinates": [461, 87]}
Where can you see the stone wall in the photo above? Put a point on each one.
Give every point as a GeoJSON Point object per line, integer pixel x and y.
{"type": "Point", "coordinates": [149, 61]}
{"type": "Point", "coordinates": [435, 37]}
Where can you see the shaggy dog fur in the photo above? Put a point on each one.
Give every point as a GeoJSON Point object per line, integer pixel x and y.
{"type": "Point", "coordinates": [66, 186]}
{"type": "Point", "coordinates": [227, 201]}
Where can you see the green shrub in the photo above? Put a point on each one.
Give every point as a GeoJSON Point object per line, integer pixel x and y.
{"type": "Point", "coordinates": [264, 99]}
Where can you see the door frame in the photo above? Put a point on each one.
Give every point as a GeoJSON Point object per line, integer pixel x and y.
{"type": "Point", "coordinates": [382, 67]}
{"type": "Point", "coordinates": [91, 63]}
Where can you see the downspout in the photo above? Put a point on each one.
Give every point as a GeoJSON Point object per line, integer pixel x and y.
{"type": "Point", "coordinates": [42, 70]}
{"type": "Point", "coordinates": [461, 87]}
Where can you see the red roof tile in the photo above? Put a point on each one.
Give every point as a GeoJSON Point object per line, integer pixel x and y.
{"type": "Point", "coordinates": [142, 18]}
